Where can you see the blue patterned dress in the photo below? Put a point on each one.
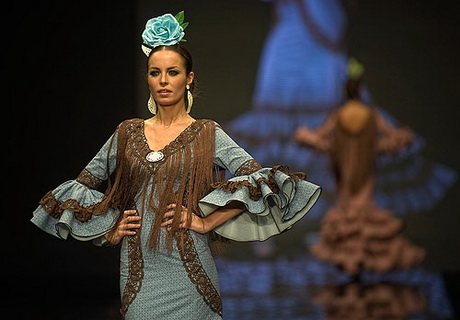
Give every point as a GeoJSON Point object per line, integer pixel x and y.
{"type": "Point", "coordinates": [181, 283]}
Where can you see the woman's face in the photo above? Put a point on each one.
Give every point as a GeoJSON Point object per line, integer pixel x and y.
{"type": "Point", "coordinates": [167, 77]}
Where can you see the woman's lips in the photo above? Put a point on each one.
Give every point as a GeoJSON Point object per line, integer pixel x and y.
{"type": "Point", "coordinates": [164, 92]}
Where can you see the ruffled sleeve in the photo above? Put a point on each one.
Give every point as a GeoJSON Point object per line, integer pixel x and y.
{"type": "Point", "coordinates": [274, 198]}
{"type": "Point", "coordinates": [74, 207]}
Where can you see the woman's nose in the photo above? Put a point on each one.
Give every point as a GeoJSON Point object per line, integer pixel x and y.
{"type": "Point", "coordinates": [163, 79]}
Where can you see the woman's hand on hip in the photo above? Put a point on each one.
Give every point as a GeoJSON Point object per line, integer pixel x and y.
{"type": "Point", "coordinates": [195, 223]}
{"type": "Point", "coordinates": [128, 226]}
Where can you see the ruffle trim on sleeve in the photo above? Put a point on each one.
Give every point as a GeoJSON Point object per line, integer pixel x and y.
{"type": "Point", "coordinates": [274, 199]}
{"type": "Point", "coordinates": [74, 209]}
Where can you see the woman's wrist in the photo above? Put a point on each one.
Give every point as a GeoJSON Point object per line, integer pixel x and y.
{"type": "Point", "coordinates": [109, 236]}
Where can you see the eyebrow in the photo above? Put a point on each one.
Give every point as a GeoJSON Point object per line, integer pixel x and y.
{"type": "Point", "coordinates": [173, 67]}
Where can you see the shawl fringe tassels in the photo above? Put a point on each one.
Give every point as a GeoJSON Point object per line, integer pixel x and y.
{"type": "Point", "coordinates": [183, 177]}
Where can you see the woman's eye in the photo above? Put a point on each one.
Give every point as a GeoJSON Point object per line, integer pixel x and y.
{"type": "Point", "coordinates": [173, 72]}
{"type": "Point", "coordinates": [154, 73]}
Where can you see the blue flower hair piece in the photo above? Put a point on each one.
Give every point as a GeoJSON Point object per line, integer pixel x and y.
{"type": "Point", "coordinates": [165, 30]}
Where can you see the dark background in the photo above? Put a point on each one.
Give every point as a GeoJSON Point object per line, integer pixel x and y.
{"type": "Point", "coordinates": [74, 69]}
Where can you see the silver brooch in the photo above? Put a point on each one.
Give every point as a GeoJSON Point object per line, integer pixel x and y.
{"type": "Point", "coordinates": [154, 156]}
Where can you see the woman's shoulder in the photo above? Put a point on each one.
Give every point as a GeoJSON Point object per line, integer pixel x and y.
{"type": "Point", "coordinates": [206, 120]}
{"type": "Point", "coordinates": [129, 125]}
{"type": "Point", "coordinates": [140, 120]}
{"type": "Point", "coordinates": [198, 123]}
{"type": "Point", "coordinates": [131, 122]}
{"type": "Point", "coordinates": [209, 123]}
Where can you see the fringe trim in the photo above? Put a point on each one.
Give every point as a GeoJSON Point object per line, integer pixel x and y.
{"type": "Point", "coordinates": [183, 176]}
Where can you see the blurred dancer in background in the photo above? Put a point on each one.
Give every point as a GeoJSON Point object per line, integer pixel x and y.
{"type": "Point", "coordinates": [356, 234]}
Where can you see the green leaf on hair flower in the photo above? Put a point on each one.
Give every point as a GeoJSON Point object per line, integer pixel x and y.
{"type": "Point", "coordinates": [180, 17]}
{"type": "Point", "coordinates": [184, 25]}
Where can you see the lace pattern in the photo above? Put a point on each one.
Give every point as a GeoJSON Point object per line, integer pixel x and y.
{"type": "Point", "coordinates": [198, 276]}
{"type": "Point", "coordinates": [248, 167]}
{"type": "Point", "coordinates": [87, 179]}
{"type": "Point", "coordinates": [136, 273]}
{"type": "Point", "coordinates": [55, 208]}
{"type": "Point", "coordinates": [254, 191]}
{"type": "Point", "coordinates": [139, 147]}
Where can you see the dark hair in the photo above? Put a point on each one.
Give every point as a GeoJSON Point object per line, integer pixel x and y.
{"type": "Point", "coordinates": [185, 54]}
{"type": "Point", "coordinates": [352, 89]}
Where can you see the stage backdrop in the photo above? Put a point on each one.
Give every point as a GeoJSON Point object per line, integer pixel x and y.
{"type": "Point", "coordinates": [409, 52]}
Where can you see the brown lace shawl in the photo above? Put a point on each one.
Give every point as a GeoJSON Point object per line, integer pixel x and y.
{"type": "Point", "coordinates": [183, 176]}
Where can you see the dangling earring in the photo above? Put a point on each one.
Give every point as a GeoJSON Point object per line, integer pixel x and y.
{"type": "Point", "coordinates": [152, 105]}
{"type": "Point", "coordinates": [189, 99]}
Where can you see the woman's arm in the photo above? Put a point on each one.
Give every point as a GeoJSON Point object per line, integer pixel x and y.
{"type": "Point", "coordinates": [392, 139]}
{"type": "Point", "coordinates": [318, 138]}
{"type": "Point", "coordinates": [207, 224]}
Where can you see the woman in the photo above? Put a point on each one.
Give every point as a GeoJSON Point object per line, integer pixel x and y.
{"type": "Point", "coordinates": [165, 202]}
{"type": "Point", "coordinates": [356, 234]}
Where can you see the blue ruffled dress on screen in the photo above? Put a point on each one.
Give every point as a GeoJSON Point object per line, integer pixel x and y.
{"type": "Point", "coordinates": [301, 76]}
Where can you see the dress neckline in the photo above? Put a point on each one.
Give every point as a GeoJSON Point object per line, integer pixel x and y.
{"type": "Point", "coordinates": [185, 130]}
{"type": "Point", "coordinates": [153, 159]}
